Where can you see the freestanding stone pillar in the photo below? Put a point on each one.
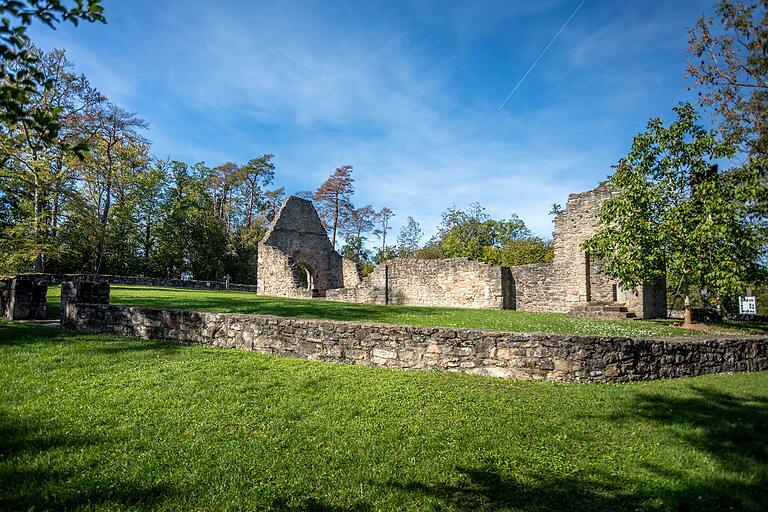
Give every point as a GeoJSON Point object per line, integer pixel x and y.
{"type": "Point", "coordinates": [24, 296]}
{"type": "Point", "coordinates": [81, 289]}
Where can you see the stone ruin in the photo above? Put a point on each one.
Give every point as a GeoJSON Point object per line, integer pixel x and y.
{"type": "Point", "coordinates": [296, 259]}
{"type": "Point", "coordinates": [23, 296]}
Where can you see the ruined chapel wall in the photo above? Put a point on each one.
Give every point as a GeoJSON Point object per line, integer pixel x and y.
{"type": "Point", "coordinates": [573, 227]}
{"type": "Point", "coordinates": [455, 282]}
{"type": "Point", "coordinates": [350, 273]}
{"type": "Point", "coordinates": [297, 238]}
{"type": "Point", "coordinates": [276, 274]}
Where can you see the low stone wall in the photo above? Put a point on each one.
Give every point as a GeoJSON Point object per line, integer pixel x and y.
{"type": "Point", "coordinates": [454, 282]}
{"type": "Point", "coordinates": [166, 282]}
{"type": "Point", "coordinates": [559, 357]}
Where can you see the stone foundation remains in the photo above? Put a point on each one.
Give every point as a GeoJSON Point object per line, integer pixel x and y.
{"type": "Point", "coordinates": [23, 296]}
{"type": "Point", "coordinates": [559, 357]}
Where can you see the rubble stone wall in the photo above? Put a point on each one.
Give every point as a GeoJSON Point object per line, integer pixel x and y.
{"type": "Point", "coordinates": [24, 296]}
{"type": "Point", "coordinates": [172, 283]}
{"type": "Point", "coordinates": [454, 282]}
{"type": "Point", "coordinates": [558, 357]}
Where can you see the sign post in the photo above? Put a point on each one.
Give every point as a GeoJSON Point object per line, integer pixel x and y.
{"type": "Point", "coordinates": [747, 306]}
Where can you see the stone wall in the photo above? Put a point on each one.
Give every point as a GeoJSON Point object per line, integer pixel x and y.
{"type": "Point", "coordinates": [557, 357]}
{"type": "Point", "coordinates": [168, 282]}
{"type": "Point", "coordinates": [24, 296]}
{"type": "Point", "coordinates": [575, 278]}
{"type": "Point", "coordinates": [81, 289]}
{"type": "Point", "coordinates": [455, 282]}
{"type": "Point", "coordinates": [295, 245]}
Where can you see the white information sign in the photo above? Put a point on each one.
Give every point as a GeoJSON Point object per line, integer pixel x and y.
{"type": "Point", "coordinates": [747, 306]}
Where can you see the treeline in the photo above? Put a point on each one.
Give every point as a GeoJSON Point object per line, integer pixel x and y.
{"type": "Point", "coordinates": [89, 196]}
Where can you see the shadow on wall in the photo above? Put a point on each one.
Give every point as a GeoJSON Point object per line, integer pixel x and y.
{"type": "Point", "coordinates": [729, 429]}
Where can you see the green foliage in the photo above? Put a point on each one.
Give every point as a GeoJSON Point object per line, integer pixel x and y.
{"type": "Point", "coordinates": [473, 234]}
{"type": "Point", "coordinates": [103, 422]}
{"type": "Point", "coordinates": [20, 74]}
{"type": "Point", "coordinates": [676, 215]}
{"type": "Point", "coordinates": [409, 238]}
{"type": "Point", "coordinates": [729, 65]}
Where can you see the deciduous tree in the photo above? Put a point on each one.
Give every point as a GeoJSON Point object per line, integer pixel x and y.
{"type": "Point", "coordinates": [676, 215]}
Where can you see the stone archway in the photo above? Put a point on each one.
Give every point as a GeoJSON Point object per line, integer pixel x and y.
{"type": "Point", "coordinates": [305, 276]}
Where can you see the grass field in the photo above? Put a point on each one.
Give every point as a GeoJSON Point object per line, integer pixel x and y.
{"type": "Point", "coordinates": [99, 422]}
{"type": "Point", "coordinates": [517, 321]}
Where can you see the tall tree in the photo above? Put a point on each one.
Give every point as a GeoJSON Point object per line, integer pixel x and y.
{"type": "Point", "coordinates": [677, 215]}
{"type": "Point", "coordinates": [37, 168]}
{"type": "Point", "coordinates": [334, 199]}
{"type": "Point", "coordinates": [729, 64]}
{"type": "Point", "coordinates": [383, 219]}
{"type": "Point", "coordinates": [115, 146]}
{"type": "Point", "coordinates": [409, 238]}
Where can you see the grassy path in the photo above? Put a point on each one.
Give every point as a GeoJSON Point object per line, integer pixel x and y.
{"type": "Point", "coordinates": [108, 423]}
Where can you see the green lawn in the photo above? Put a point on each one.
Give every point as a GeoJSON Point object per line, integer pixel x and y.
{"type": "Point", "coordinates": [99, 422]}
{"type": "Point", "coordinates": [517, 321]}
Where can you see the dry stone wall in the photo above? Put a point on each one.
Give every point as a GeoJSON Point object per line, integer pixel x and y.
{"type": "Point", "coordinates": [557, 357]}
{"type": "Point", "coordinates": [455, 282]}
{"type": "Point", "coordinates": [168, 282]}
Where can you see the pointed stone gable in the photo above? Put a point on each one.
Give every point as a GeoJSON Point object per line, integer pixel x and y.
{"type": "Point", "coordinates": [296, 258]}
{"type": "Point", "coordinates": [296, 217]}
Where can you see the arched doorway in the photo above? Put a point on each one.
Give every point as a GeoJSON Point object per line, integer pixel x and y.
{"type": "Point", "coordinates": [304, 276]}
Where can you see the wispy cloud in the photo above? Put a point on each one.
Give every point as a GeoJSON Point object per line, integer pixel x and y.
{"type": "Point", "coordinates": [406, 95]}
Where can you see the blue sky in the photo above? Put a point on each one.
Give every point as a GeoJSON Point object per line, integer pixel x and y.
{"type": "Point", "coordinates": [406, 92]}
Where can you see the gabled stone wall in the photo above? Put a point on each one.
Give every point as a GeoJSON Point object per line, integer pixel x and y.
{"type": "Point", "coordinates": [297, 242]}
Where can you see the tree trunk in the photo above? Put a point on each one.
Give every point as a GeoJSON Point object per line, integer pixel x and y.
{"type": "Point", "coordinates": [36, 225]}
{"type": "Point", "coordinates": [687, 318]}
{"type": "Point", "coordinates": [335, 220]}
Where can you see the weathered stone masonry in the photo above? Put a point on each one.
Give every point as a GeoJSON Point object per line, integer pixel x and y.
{"type": "Point", "coordinates": [572, 280]}
{"type": "Point", "coordinates": [23, 296]}
{"type": "Point", "coordinates": [296, 258]}
{"type": "Point", "coordinates": [455, 282]}
{"type": "Point", "coordinates": [559, 357]}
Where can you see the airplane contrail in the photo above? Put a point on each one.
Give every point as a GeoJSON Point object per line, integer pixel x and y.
{"type": "Point", "coordinates": [541, 55]}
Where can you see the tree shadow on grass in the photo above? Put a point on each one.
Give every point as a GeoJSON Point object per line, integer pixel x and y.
{"type": "Point", "coordinates": [314, 505]}
{"type": "Point", "coordinates": [29, 480]}
{"type": "Point", "coordinates": [14, 333]}
{"type": "Point", "coordinates": [733, 430]}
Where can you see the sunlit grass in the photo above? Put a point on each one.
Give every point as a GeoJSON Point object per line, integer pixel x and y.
{"type": "Point", "coordinates": [516, 321]}
{"type": "Point", "coordinates": [97, 422]}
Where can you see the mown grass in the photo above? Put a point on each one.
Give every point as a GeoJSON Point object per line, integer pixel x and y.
{"type": "Point", "coordinates": [514, 321]}
{"type": "Point", "coordinates": [99, 422]}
